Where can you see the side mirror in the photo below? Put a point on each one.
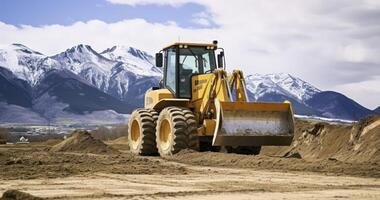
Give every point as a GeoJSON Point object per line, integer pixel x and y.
{"type": "Point", "coordinates": [159, 59]}
{"type": "Point", "coordinates": [161, 84]}
{"type": "Point", "coordinates": [220, 59]}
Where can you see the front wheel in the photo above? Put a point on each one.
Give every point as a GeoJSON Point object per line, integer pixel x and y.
{"type": "Point", "coordinates": [142, 132]}
{"type": "Point", "coordinates": [176, 130]}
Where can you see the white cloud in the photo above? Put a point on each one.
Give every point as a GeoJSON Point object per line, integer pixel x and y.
{"type": "Point", "coordinates": [331, 44]}
{"type": "Point", "coordinates": [202, 21]}
{"type": "Point", "coordinates": [355, 53]}
{"type": "Point", "coordinates": [202, 18]}
{"type": "Point", "coordinates": [53, 39]}
{"type": "Point", "coordinates": [363, 91]}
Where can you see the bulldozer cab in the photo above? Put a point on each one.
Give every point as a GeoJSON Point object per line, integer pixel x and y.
{"type": "Point", "coordinates": [181, 62]}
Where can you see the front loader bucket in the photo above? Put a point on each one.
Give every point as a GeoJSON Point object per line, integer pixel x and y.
{"type": "Point", "coordinates": [253, 124]}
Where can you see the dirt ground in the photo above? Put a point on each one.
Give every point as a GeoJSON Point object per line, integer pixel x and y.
{"type": "Point", "coordinates": [325, 161]}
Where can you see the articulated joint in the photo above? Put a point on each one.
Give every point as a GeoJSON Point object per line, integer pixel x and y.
{"type": "Point", "coordinates": [237, 73]}
{"type": "Point", "coordinates": [220, 73]}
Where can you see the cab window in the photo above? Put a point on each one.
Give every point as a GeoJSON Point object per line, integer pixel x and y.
{"type": "Point", "coordinates": [193, 60]}
{"type": "Point", "coordinates": [170, 71]}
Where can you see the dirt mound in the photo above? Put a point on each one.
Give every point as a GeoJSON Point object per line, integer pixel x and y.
{"type": "Point", "coordinates": [358, 142]}
{"type": "Point", "coordinates": [81, 141]}
{"type": "Point", "coordinates": [120, 143]}
{"type": "Point", "coordinates": [18, 195]}
{"type": "Point", "coordinates": [120, 140]}
{"type": "Point", "coordinates": [364, 142]}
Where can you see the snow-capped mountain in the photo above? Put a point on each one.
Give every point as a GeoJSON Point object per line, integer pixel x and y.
{"type": "Point", "coordinates": [121, 75]}
{"type": "Point", "coordinates": [62, 90]}
{"type": "Point", "coordinates": [280, 83]}
{"type": "Point", "coordinates": [14, 90]}
{"type": "Point", "coordinates": [87, 63]}
{"type": "Point", "coordinates": [114, 71]}
{"type": "Point", "coordinates": [24, 62]}
{"type": "Point", "coordinates": [135, 60]}
{"type": "Point", "coordinates": [306, 99]}
{"type": "Point", "coordinates": [82, 57]}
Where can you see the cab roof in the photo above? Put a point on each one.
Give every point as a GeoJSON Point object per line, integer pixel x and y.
{"type": "Point", "coordinates": [192, 44]}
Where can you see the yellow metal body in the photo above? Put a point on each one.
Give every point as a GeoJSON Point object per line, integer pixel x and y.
{"type": "Point", "coordinates": [237, 82]}
{"type": "Point", "coordinates": [152, 97]}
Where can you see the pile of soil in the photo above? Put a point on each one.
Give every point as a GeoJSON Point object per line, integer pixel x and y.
{"type": "Point", "coordinates": [313, 141]}
{"type": "Point", "coordinates": [364, 141]}
{"type": "Point", "coordinates": [18, 195]}
{"type": "Point", "coordinates": [120, 140]}
{"type": "Point", "coordinates": [81, 141]}
{"type": "Point", "coordinates": [120, 143]}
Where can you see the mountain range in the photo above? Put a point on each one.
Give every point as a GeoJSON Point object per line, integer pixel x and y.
{"type": "Point", "coordinates": [83, 84]}
{"type": "Point", "coordinates": [306, 99]}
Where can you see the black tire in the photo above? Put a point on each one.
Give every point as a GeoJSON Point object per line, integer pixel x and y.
{"type": "Point", "coordinates": [247, 150]}
{"type": "Point", "coordinates": [176, 130]}
{"type": "Point", "coordinates": [142, 132]}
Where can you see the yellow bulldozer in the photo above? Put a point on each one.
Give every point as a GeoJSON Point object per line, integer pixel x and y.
{"type": "Point", "coordinates": [199, 106]}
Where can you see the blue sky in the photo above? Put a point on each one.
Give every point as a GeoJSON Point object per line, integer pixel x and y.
{"type": "Point", "coordinates": [66, 12]}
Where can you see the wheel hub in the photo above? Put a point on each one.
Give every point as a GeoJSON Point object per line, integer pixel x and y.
{"type": "Point", "coordinates": [135, 131]}
{"type": "Point", "coordinates": [165, 134]}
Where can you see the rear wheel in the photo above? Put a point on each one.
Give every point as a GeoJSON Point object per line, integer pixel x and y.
{"type": "Point", "coordinates": [176, 130]}
{"type": "Point", "coordinates": [247, 150]}
{"type": "Point", "coordinates": [142, 132]}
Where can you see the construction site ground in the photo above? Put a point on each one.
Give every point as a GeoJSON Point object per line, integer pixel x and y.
{"type": "Point", "coordinates": [325, 161]}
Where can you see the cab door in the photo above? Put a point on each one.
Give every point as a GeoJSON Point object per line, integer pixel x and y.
{"type": "Point", "coordinates": [170, 77]}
